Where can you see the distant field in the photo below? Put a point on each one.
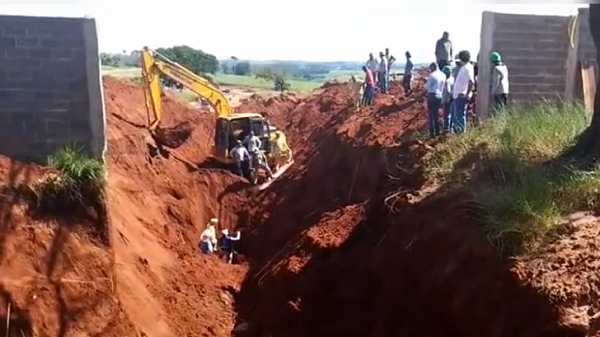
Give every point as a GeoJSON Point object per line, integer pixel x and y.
{"type": "Point", "coordinates": [247, 81]}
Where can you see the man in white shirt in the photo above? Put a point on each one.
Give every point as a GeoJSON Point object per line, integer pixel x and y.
{"type": "Point", "coordinates": [382, 73]}
{"type": "Point", "coordinates": [241, 159]}
{"type": "Point", "coordinates": [208, 239]}
{"type": "Point", "coordinates": [463, 88]}
{"type": "Point", "coordinates": [435, 89]}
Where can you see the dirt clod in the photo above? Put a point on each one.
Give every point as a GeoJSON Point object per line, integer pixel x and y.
{"type": "Point", "coordinates": [173, 137]}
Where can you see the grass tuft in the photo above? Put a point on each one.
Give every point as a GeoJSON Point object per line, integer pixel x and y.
{"type": "Point", "coordinates": [509, 167]}
{"type": "Point", "coordinates": [78, 183]}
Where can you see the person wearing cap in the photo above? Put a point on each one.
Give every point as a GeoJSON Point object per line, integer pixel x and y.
{"type": "Point", "coordinates": [463, 88]}
{"type": "Point", "coordinates": [443, 50]}
{"type": "Point", "coordinates": [435, 90]}
{"type": "Point", "coordinates": [226, 244]}
{"type": "Point", "coordinates": [382, 73]}
{"type": "Point", "coordinates": [241, 159]}
{"type": "Point", "coordinates": [499, 80]}
{"type": "Point", "coordinates": [447, 98]}
{"type": "Point", "coordinates": [208, 238]}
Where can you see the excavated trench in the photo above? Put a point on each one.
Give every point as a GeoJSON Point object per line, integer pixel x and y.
{"type": "Point", "coordinates": [345, 244]}
{"type": "Point", "coordinates": [355, 268]}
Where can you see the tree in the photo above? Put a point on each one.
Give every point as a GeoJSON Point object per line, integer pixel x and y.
{"type": "Point", "coordinates": [195, 60]}
{"type": "Point", "coordinates": [278, 78]}
{"type": "Point", "coordinates": [242, 68]}
{"type": "Point", "coordinates": [109, 60]}
{"type": "Point", "coordinates": [587, 148]}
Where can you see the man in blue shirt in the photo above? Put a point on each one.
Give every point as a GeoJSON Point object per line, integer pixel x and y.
{"type": "Point", "coordinates": [435, 89]}
{"type": "Point", "coordinates": [226, 244]}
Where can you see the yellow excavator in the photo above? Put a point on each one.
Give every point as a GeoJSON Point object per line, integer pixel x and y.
{"type": "Point", "coordinates": [230, 126]}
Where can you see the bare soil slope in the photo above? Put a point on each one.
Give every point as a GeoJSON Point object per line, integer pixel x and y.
{"type": "Point", "coordinates": [159, 206]}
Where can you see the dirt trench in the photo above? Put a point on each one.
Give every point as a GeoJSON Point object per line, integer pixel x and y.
{"type": "Point", "coordinates": [327, 251]}
{"type": "Point", "coordinates": [332, 255]}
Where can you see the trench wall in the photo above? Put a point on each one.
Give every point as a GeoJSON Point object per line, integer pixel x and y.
{"type": "Point", "coordinates": [50, 87]}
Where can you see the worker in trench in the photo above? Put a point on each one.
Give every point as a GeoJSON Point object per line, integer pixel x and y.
{"type": "Point", "coordinates": [226, 245]}
{"type": "Point", "coordinates": [499, 81]}
{"type": "Point", "coordinates": [208, 238]}
{"type": "Point", "coordinates": [241, 159]}
{"type": "Point", "coordinates": [281, 150]}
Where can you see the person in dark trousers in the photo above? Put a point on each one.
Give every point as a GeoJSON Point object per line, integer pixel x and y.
{"type": "Point", "coordinates": [499, 81]}
{"type": "Point", "coordinates": [226, 245]}
{"type": "Point", "coordinates": [447, 98]}
{"type": "Point", "coordinates": [241, 159]}
{"type": "Point", "coordinates": [464, 83]}
{"type": "Point", "coordinates": [435, 90]}
{"type": "Point", "coordinates": [407, 77]}
{"type": "Point", "coordinates": [443, 50]}
{"type": "Point", "coordinates": [369, 94]}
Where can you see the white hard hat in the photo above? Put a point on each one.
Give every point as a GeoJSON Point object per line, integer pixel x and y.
{"type": "Point", "coordinates": [214, 220]}
{"type": "Point", "coordinates": [225, 231]}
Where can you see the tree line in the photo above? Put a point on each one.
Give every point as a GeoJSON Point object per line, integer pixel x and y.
{"type": "Point", "coordinates": [206, 64]}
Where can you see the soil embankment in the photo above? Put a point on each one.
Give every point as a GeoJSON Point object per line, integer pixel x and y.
{"type": "Point", "coordinates": [349, 242]}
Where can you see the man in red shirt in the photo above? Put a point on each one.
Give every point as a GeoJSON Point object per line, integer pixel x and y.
{"type": "Point", "coordinates": [369, 94]}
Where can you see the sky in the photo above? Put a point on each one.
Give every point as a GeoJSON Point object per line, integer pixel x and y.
{"type": "Point", "coordinates": [310, 30]}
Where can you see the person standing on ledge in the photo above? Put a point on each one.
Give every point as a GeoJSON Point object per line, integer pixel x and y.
{"type": "Point", "coordinates": [499, 81]}
{"type": "Point", "coordinates": [464, 84]}
{"type": "Point", "coordinates": [443, 50]}
{"type": "Point", "coordinates": [435, 89]}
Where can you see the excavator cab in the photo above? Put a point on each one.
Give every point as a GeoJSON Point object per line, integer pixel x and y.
{"type": "Point", "coordinates": [232, 128]}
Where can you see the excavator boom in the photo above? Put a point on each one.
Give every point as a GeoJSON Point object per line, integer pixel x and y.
{"type": "Point", "coordinates": [153, 66]}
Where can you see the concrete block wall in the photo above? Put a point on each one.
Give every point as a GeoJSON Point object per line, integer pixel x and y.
{"type": "Point", "coordinates": [50, 87]}
{"type": "Point", "coordinates": [534, 47]}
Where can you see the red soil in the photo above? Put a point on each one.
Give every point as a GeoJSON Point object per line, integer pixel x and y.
{"type": "Point", "coordinates": [326, 255]}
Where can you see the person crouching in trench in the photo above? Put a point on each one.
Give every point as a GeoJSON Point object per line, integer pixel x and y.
{"type": "Point", "coordinates": [226, 245]}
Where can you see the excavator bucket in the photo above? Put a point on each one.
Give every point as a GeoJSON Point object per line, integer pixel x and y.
{"type": "Point", "coordinates": [276, 175]}
{"type": "Point", "coordinates": [173, 137]}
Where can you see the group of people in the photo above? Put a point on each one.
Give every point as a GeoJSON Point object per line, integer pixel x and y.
{"type": "Point", "coordinates": [377, 75]}
{"type": "Point", "coordinates": [223, 245]}
{"type": "Point", "coordinates": [247, 155]}
{"type": "Point", "coordinates": [452, 89]}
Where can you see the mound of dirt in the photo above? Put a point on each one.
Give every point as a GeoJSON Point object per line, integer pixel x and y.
{"type": "Point", "coordinates": [159, 204]}
{"type": "Point", "coordinates": [277, 109]}
{"type": "Point", "coordinates": [55, 272]}
{"type": "Point", "coordinates": [352, 236]}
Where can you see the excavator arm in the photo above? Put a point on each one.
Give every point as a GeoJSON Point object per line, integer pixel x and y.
{"type": "Point", "coordinates": [154, 65]}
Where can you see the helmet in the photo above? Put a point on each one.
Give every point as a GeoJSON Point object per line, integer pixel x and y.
{"type": "Point", "coordinates": [447, 70]}
{"type": "Point", "coordinates": [214, 220]}
{"type": "Point", "coordinates": [495, 57]}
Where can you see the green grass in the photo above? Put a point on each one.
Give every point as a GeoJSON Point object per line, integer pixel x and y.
{"type": "Point", "coordinates": [253, 82]}
{"type": "Point", "coordinates": [243, 81]}
{"type": "Point", "coordinates": [509, 168]}
{"type": "Point", "coordinates": [79, 182]}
